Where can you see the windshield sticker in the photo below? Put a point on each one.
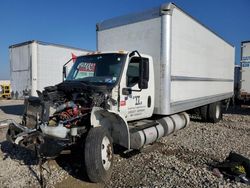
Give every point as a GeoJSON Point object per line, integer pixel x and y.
{"type": "Point", "coordinates": [85, 70]}
{"type": "Point", "coordinates": [86, 67]}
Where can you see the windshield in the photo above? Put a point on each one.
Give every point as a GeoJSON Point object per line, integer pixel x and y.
{"type": "Point", "coordinates": [99, 68]}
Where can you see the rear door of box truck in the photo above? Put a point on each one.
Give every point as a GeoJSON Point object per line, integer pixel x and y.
{"type": "Point", "coordinates": [20, 69]}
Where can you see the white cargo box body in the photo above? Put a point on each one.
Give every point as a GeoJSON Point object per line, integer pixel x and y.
{"type": "Point", "coordinates": [35, 65]}
{"type": "Point", "coordinates": [245, 69]}
{"type": "Point", "coordinates": [193, 66]}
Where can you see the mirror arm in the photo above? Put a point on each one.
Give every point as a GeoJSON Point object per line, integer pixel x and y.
{"type": "Point", "coordinates": [67, 62]}
{"type": "Point", "coordinates": [136, 90]}
{"type": "Point", "coordinates": [128, 91]}
{"type": "Point", "coordinates": [64, 72]}
{"type": "Point", "coordinates": [135, 52]}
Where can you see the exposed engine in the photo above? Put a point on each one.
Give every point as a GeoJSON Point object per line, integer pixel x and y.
{"type": "Point", "coordinates": [58, 116]}
{"type": "Point", "coordinates": [67, 104]}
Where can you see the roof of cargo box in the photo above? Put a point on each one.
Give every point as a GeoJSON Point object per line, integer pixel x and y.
{"type": "Point", "coordinates": [246, 41]}
{"type": "Point", "coordinates": [46, 43]}
{"type": "Point", "coordinates": [164, 9]}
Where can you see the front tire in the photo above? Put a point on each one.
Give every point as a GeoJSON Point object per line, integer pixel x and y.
{"type": "Point", "coordinates": [98, 155]}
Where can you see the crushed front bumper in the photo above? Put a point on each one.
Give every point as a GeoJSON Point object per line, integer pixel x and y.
{"type": "Point", "coordinates": [46, 146]}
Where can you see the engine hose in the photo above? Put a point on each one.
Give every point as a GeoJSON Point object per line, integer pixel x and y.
{"type": "Point", "coordinates": [73, 119]}
{"type": "Point", "coordinates": [69, 104]}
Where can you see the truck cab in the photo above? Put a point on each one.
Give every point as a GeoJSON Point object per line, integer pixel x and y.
{"type": "Point", "coordinates": [129, 75]}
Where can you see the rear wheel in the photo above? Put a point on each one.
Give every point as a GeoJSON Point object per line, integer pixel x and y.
{"type": "Point", "coordinates": [204, 113]}
{"type": "Point", "coordinates": [98, 155]}
{"type": "Point", "coordinates": [214, 112]}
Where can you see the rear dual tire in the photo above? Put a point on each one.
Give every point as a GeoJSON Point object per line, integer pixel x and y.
{"type": "Point", "coordinates": [211, 113]}
{"type": "Point", "coordinates": [215, 112]}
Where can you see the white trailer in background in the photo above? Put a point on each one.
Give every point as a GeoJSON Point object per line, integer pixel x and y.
{"type": "Point", "coordinates": [35, 65]}
{"type": "Point", "coordinates": [237, 77]}
{"type": "Point", "coordinates": [193, 66]}
{"type": "Point", "coordinates": [244, 92]}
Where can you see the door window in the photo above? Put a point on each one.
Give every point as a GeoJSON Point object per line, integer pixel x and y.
{"type": "Point", "coordinates": [133, 72]}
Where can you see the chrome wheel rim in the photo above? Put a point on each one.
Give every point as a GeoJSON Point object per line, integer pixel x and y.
{"type": "Point", "coordinates": [107, 153]}
{"type": "Point", "coordinates": [217, 113]}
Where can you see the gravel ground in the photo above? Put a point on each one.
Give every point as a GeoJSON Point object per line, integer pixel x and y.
{"type": "Point", "coordinates": [182, 159]}
{"type": "Point", "coordinates": [18, 166]}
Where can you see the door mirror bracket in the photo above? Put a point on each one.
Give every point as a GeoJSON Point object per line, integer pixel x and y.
{"type": "Point", "coordinates": [128, 91]}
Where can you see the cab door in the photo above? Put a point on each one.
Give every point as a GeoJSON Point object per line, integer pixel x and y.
{"type": "Point", "coordinates": [135, 103]}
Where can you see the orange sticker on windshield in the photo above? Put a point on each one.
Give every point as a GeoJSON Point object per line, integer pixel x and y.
{"type": "Point", "coordinates": [87, 67]}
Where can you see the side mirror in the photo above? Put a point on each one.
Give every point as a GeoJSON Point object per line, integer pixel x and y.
{"type": "Point", "coordinates": [64, 72]}
{"type": "Point", "coordinates": [143, 74]}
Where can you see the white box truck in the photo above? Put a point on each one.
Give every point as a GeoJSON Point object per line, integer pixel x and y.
{"type": "Point", "coordinates": [130, 98]}
{"type": "Point", "coordinates": [36, 64]}
{"type": "Point", "coordinates": [244, 91]}
{"type": "Point", "coordinates": [193, 66]}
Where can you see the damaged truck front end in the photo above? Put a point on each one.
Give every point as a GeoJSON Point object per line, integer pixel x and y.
{"type": "Point", "coordinates": [58, 118]}
{"type": "Point", "coordinates": [79, 112]}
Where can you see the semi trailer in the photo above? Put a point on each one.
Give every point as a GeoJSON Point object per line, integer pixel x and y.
{"type": "Point", "coordinates": [35, 64]}
{"type": "Point", "coordinates": [149, 69]}
{"type": "Point", "coordinates": [244, 85]}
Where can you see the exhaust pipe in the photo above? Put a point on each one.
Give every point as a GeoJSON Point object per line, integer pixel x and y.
{"type": "Point", "coordinates": [165, 126]}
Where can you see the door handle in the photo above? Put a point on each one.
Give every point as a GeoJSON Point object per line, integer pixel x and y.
{"type": "Point", "coordinates": [149, 101]}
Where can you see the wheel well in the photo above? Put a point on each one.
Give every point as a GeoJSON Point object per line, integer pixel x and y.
{"type": "Point", "coordinates": [114, 123]}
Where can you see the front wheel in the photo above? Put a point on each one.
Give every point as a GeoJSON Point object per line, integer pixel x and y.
{"type": "Point", "coordinates": [98, 155]}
